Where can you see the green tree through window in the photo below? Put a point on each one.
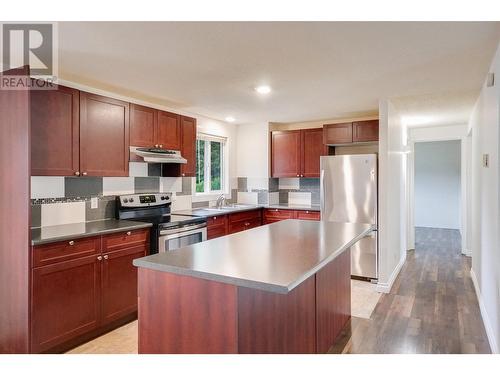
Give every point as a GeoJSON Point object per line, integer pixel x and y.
{"type": "Point", "coordinates": [209, 164]}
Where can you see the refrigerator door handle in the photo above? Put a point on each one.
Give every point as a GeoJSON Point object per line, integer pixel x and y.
{"type": "Point", "coordinates": [322, 193]}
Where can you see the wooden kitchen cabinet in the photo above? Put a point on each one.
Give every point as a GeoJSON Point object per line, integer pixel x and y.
{"type": "Point", "coordinates": [119, 283]}
{"type": "Point", "coordinates": [312, 148]}
{"type": "Point", "coordinates": [365, 131]}
{"type": "Point", "coordinates": [350, 132]}
{"type": "Point", "coordinates": [285, 153]}
{"type": "Point", "coordinates": [188, 146]}
{"type": "Point", "coordinates": [65, 302]}
{"type": "Point", "coordinates": [337, 133]}
{"type": "Point", "coordinates": [55, 130]}
{"type": "Point", "coordinates": [168, 131]}
{"type": "Point", "coordinates": [143, 126]}
{"type": "Point", "coordinates": [240, 221]}
{"type": "Point", "coordinates": [217, 226]}
{"type": "Point", "coordinates": [296, 153]}
{"type": "Point", "coordinates": [75, 295]}
{"type": "Point", "coordinates": [104, 136]}
{"type": "Point", "coordinates": [272, 215]}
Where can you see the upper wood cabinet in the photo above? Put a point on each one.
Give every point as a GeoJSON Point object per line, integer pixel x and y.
{"type": "Point", "coordinates": [296, 153]}
{"type": "Point", "coordinates": [151, 127]}
{"type": "Point", "coordinates": [349, 132]}
{"type": "Point", "coordinates": [285, 153]}
{"type": "Point", "coordinates": [104, 136]}
{"type": "Point", "coordinates": [55, 132]}
{"type": "Point", "coordinates": [169, 131]}
{"type": "Point", "coordinates": [188, 146]}
{"type": "Point", "coordinates": [365, 131]}
{"type": "Point", "coordinates": [143, 123]}
{"type": "Point", "coordinates": [312, 148]}
{"type": "Point", "coordinates": [337, 133]}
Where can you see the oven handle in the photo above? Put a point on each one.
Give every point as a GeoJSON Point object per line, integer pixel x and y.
{"type": "Point", "coordinates": [177, 232]}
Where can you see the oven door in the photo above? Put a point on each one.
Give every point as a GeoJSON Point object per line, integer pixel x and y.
{"type": "Point", "coordinates": [171, 239]}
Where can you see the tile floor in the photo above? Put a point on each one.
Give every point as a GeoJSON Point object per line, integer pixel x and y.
{"type": "Point", "coordinates": [123, 340]}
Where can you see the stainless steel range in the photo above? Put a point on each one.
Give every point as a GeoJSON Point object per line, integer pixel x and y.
{"type": "Point", "coordinates": [169, 232]}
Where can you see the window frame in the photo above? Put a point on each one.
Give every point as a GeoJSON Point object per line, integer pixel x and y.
{"type": "Point", "coordinates": [207, 167]}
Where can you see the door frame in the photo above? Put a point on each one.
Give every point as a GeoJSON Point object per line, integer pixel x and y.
{"type": "Point", "coordinates": [465, 193]}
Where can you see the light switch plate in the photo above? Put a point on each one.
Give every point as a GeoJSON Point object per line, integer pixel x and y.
{"type": "Point", "coordinates": [486, 160]}
{"type": "Point", "coordinates": [94, 202]}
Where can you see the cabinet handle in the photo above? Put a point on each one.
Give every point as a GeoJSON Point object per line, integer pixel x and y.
{"type": "Point", "coordinates": [183, 175]}
{"type": "Point", "coordinates": [276, 210]}
{"type": "Point", "coordinates": [156, 146]}
{"type": "Point", "coordinates": [71, 243]}
{"type": "Point", "coordinates": [77, 173]}
{"type": "Point", "coordinates": [106, 256]}
{"type": "Point", "coordinates": [84, 173]}
{"type": "Point", "coordinates": [215, 217]}
{"type": "Point", "coordinates": [307, 212]}
{"type": "Point", "coordinates": [99, 257]}
{"type": "Point", "coordinates": [129, 233]}
{"type": "Point", "coordinates": [161, 146]}
{"type": "Point", "coordinates": [298, 175]}
{"type": "Point", "coordinates": [247, 224]}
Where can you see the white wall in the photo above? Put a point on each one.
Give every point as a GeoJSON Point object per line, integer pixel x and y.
{"type": "Point", "coordinates": [392, 195]}
{"type": "Point", "coordinates": [437, 184]}
{"type": "Point", "coordinates": [484, 123]}
{"type": "Point", "coordinates": [252, 153]}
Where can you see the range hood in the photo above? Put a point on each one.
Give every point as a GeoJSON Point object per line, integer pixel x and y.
{"type": "Point", "coordinates": [158, 155]}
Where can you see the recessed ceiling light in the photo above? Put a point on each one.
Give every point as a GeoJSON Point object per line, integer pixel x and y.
{"type": "Point", "coordinates": [230, 119]}
{"type": "Point", "coordinates": [263, 89]}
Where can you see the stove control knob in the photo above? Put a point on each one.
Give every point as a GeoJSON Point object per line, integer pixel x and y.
{"type": "Point", "coordinates": [125, 200]}
{"type": "Point", "coordinates": [131, 200]}
{"type": "Point", "coordinates": [163, 197]}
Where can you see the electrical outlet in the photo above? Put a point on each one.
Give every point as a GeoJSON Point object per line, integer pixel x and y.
{"type": "Point", "coordinates": [94, 202]}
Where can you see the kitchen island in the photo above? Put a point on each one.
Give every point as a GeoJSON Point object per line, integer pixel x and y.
{"type": "Point", "coordinates": [279, 288]}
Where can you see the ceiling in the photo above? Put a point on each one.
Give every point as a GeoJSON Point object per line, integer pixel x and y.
{"type": "Point", "coordinates": [317, 70]}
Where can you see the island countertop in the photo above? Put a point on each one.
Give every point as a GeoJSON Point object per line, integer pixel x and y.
{"type": "Point", "coordinates": [275, 258]}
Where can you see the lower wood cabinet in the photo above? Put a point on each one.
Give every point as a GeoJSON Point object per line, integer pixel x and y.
{"type": "Point", "coordinates": [73, 298]}
{"type": "Point", "coordinates": [240, 221]}
{"type": "Point", "coordinates": [272, 215]}
{"type": "Point", "coordinates": [217, 226]}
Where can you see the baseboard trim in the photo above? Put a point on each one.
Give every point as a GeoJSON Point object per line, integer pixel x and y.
{"type": "Point", "coordinates": [484, 315]}
{"type": "Point", "coordinates": [386, 287]}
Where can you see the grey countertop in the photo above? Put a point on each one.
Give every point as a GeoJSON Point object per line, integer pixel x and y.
{"type": "Point", "coordinates": [211, 211]}
{"type": "Point", "coordinates": [275, 257]}
{"type": "Point", "coordinates": [56, 233]}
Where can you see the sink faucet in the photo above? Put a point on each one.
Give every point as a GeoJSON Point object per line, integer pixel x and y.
{"type": "Point", "coordinates": [221, 201]}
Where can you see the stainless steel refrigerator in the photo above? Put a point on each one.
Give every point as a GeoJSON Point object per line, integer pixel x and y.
{"type": "Point", "coordinates": [348, 193]}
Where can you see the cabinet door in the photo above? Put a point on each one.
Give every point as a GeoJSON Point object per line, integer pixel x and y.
{"type": "Point", "coordinates": [55, 131]}
{"type": "Point", "coordinates": [365, 131]}
{"type": "Point", "coordinates": [188, 147]}
{"type": "Point", "coordinates": [312, 149]}
{"type": "Point", "coordinates": [104, 136]}
{"type": "Point", "coordinates": [119, 283]}
{"type": "Point", "coordinates": [142, 126]}
{"type": "Point", "coordinates": [168, 134]}
{"type": "Point", "coordinates": [337, 133]}
{"type": "Point", "coordinates": [217, 226]}
{"type": "Point", "coordinates": [308, 215]}
{"type": "Point", "coordinates": [272, 215]}
{"type": "Point", "coordinates": [65, 301]}
{"type": "Point", "coordinates": [285, 153]}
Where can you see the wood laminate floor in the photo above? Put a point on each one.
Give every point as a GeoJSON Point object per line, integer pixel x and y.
{"type": "Point", "coordinates": [432, 307]}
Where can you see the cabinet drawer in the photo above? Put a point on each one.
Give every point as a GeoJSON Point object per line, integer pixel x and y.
{"type": "Point", "coordinates": [216, 221]}
{"type": "Point", "coordinates": [240, 225]}
{"type": "Point", "coordinates": [121, 240]}
{"type": "Point", "coordinates": [308, 215]}
{"type": "Point", "coordinates": [245, 215]}
{"type": "Point", "coordinates": [65, 250]}
{"type": "Point", "coordinates": [276, 213]}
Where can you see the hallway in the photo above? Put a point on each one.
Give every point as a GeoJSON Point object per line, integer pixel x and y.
{"type": "Point", "coordinates": [432, 307]}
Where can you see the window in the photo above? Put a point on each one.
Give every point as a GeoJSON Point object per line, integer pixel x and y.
{"type": "Point", "coordinates": [210, 164]}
